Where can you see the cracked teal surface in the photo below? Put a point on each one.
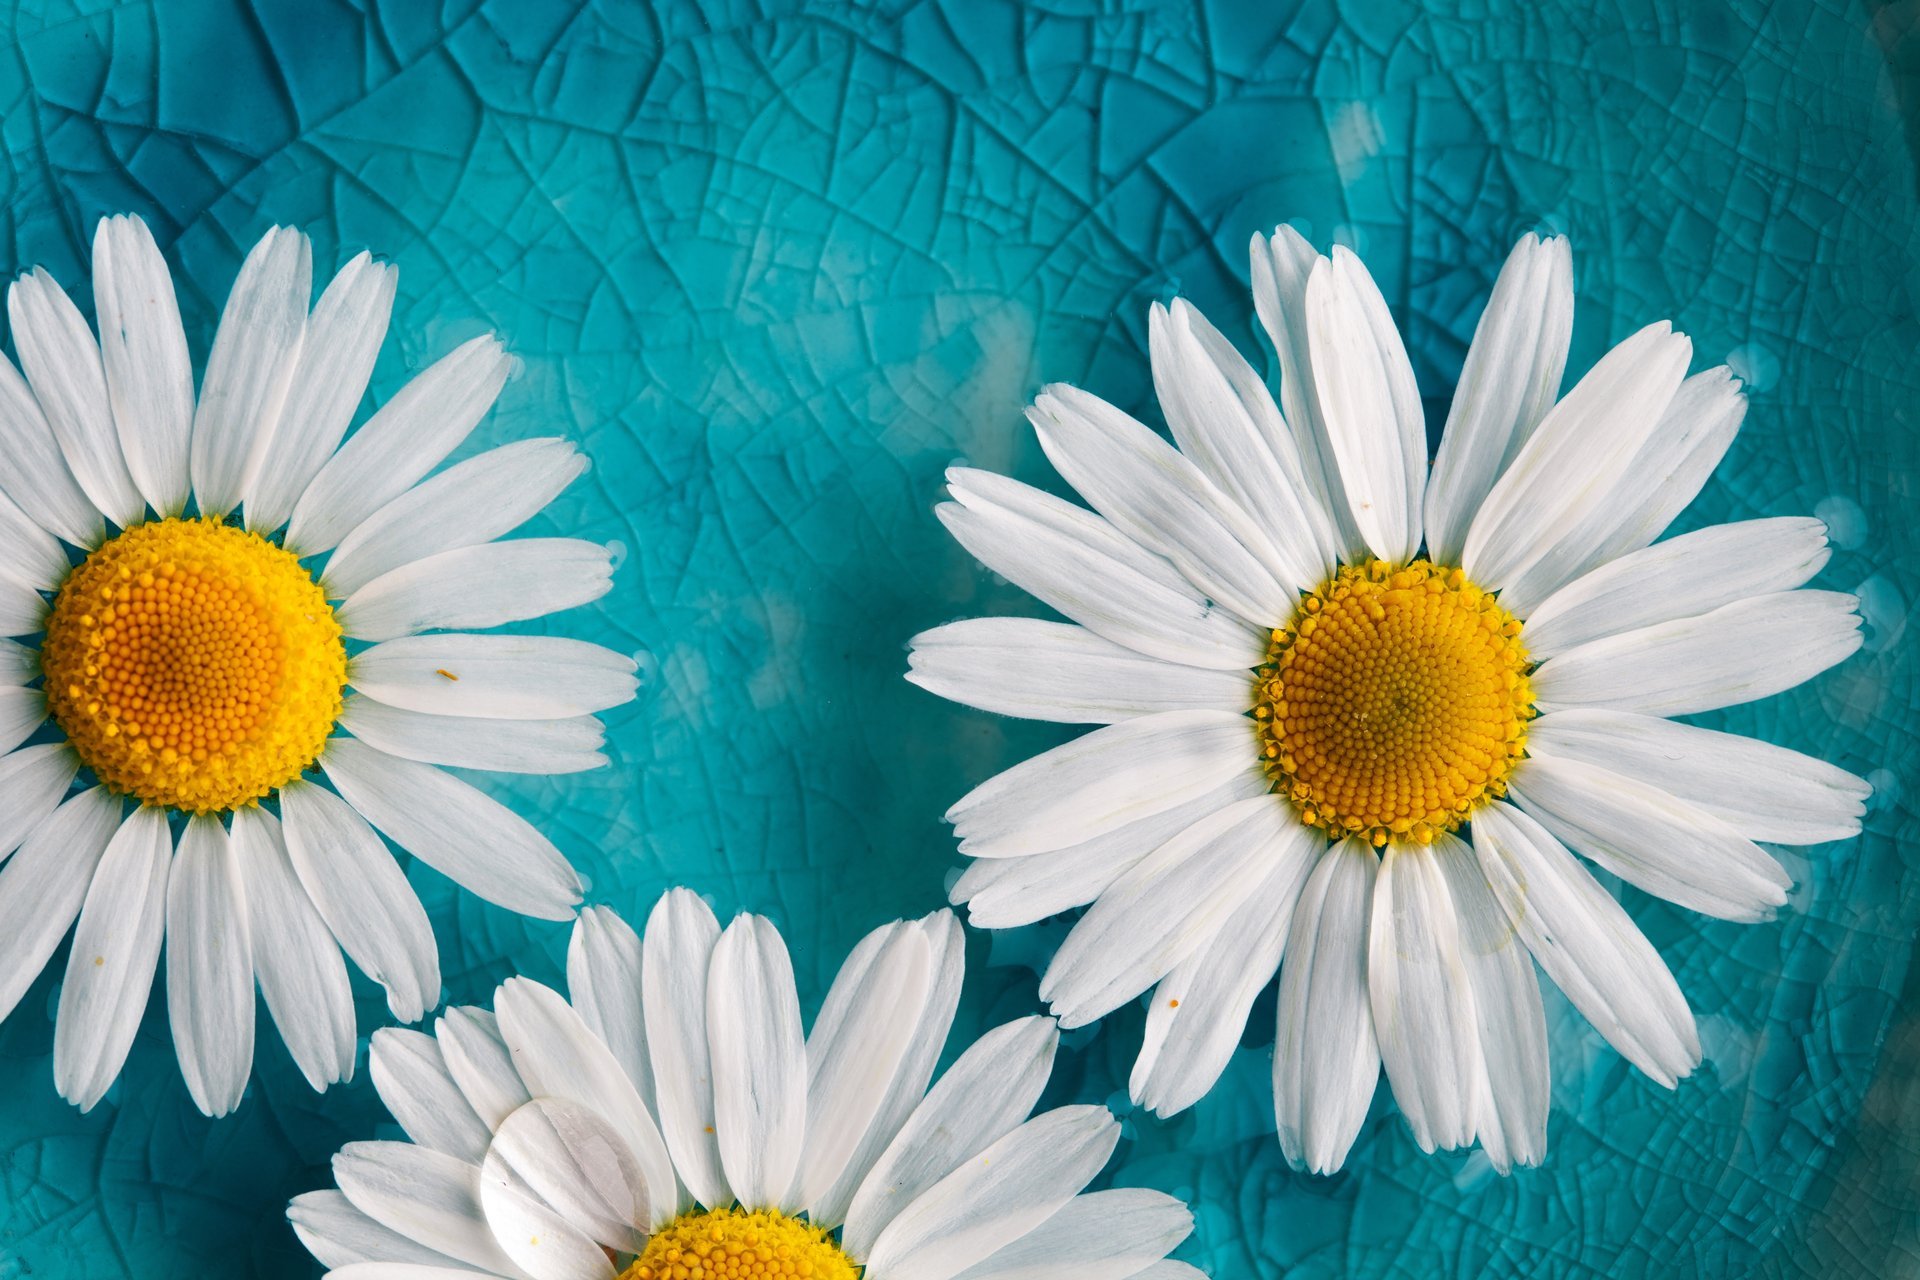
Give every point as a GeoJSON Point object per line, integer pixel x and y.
{"type": "Point", "coordinates": [775, 265]}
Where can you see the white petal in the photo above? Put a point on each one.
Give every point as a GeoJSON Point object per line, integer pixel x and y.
{"type": "Point", "coordinates": [1158, 498]}
{"type": "Point", "coordinates": [143, 350]}
{"type": "Point", "coordinates": [1422, 999]}
{"type": "Point", "coordinates": [427, 1196]}
{"type": "Point", "coordinates": [33, 780]}
{"type": "Point", "coordinates": [1227, 424]}
{"type": "Point", "coordinates": [19, 664]}
{"type": "Point", "coordinates": [1103, 780]}
{"type": "Point", "coordinates": [295, 958]}
{"type": "Point", "coordinates": [339, 1235]}
{"type": "Point", "coordinates": [62, 362]}
{"type": "Point", "coordinates": [537, 1236]}
{"type": "Point", "coordinates": [471, 502]}
{"type": "Point", "coordinates": [417, 1271]}
{"type": "Point", "coordinates": [578, 1165]}
{"type": "Point", "coordinates": [412, 1079]}
{"type": "Point", "coordinates": [254, 354]}
{"type": "Point", "coordinates": [1103, 1235]}
{"type": "Point", "coordinates": [33, 472]}
{"type": "Point", "coordinates": [1586, 943]}
{"type": "Point", "coordinates": [494, 677]}
{"type": "Point", "coordinates": [759, 1062]}
{"type": "Point", "coordinates": [1760, 790]}
{"type": "Point", "coordinates": [1057, 671]}
{"type": "Point", "coordinates": [1326, 1057]}
{"type": "Point", "coordinates": [1197, 1013]}
{"type": "Point", "coordinates": [42, 888]}
{"type": "Point", "coordinates": [1648, 838]}
{"type": "Point", "coordinates": [1679, 578]}
{"type": "Point", "coordinates": [116, 949]}
{"type": "Point", "coordinates": [1516, 1088]}
{"type": "Point", "coordinates": [479, 1063]}
{"type": "Point", "coordinates": [1369, 404]}
{"type": "Point", "coordinates": [456, 829]}
{"type": "Point", "coordinates": [343, 339]}
{"type": "Point", "coordinates": [360, 892]}
{"type": "Point", "coordinates": [677, 949]}
{"type": "Point", "coordinates": [23, 611]}
{"type": "Point", "coordinates": [34, 557]}
{"type": "Point", "coordinates": [482, 586]}
{"type": "Point", "coordinates": [988, 1091]}
{"type": "Point", "coordinates": [1583, 448]}
{"type": "Point", "coordinates": [410, 435]}
{"type": "Point", "coordinates": [21, 712]}
{"type": "Point", "coordinates": [1507, 384]}
{"type": "Point", "coordinates": [210, 967]}
{"type": "Point", "coordinates": [1074, 561]}
{"type": "Point", "coordinates": [1165, 909]}
{"type": "Point", "coordinates": [1749, 649]}
{"type": "Point", "coordinates": [998, 1195]}
{"type": "Point", "coordinates": [604, 964]}
{"type": "Point", "coordinates": [500, 746]}
{"type": "Point", "coordinates": [559, 1057]}
{"type": "Point", "coordinates": [1168, 1270]}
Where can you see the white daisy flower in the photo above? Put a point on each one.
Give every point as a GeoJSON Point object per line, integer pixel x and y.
{"type": "Point", "coordinates": [190, 662]}
{"type": "Point", "coordinates": [674, 1122]}
{"type": "Point", "coordinates": [1358, 711]}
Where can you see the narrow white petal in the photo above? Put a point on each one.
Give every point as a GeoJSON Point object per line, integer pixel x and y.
{"type": "Point", "coordinates": [759, 1062]}
{"type": "Point", "coordinates": [1749, 649]}
{"type": "Point", "coordinates": [1197, 1013]}
{"type": "Point", "coordinates": [19, 664]}
{"type": "Point", "coordinates": [360, 892]}
{"type": "Point", "coordinates": [604, 964]}
{"type": "Point", "coordinates": [295, 957]}
{"type": "Point", "coordinates": [459, 742]}
{"type": "Point", "coordinates": [1409, 419]}
{"type": "Point", "coordinates": [339, 1235]}
{"type": "Point", "coordinates": [1507, 384]}
{"type": "Point", "coordinates": [677, 949]}
{"type": "Point", "coordinates": [1103, 780]}
{"type": "Point", "coordinates": [471, 502]}
{"type": "Point", "coordinates": [1102, 1235]}
{"type": "Point", "coordinates": [1762, 791]}
{"type": "Point", "coordinates": [255, 351]}
{"type": "Point", "coordinates": [1165, 909]}
{"type": "Point", "coordinates": [34, 557]}
{"type": "Point", "coordinates": [33, 472]}
{"type": "Point", "coordinates": [579, 1166]}
{"type": "Point", "coordinates": [116, 950]}
{"type": "Point", "coordinates": [538, 1237]}
{"type": "Point", "coordinates": [1076, 562]}
{"type": "Point", "coordinates": [43, 887]}
{"type": "Point", "coordinates": [1682, 577]}
{"type": "Point", "coordinates": [419, 1271]}
{"type": "Point", "coordinates": [210, 967]}
{"type": "Point", "coordinates": [477, 1059]}
{"type": "Point", "coordinates": [1326, 1057]}
{"type": "Point", "coordinates": [143, 349]}
{"type": "Point", "coordinates": [482, 586]}
{"type": "Point", "coordinates": [33, 780]}
{"type": "Point", "coordinates": [21, 712]}
{"type": "Point", "coordinates": [23, 611]}
{"type": "Point", "coordinates": [494, 677]}
{"type": "Point", "coordinates": [427, 1196]}
{"type": "Point", "coordinates": [62, 362]}
{"type": "Point", "coordinates": [410, 435]}
{"type": "Point", "coordinates": [1586, 943]}
{"type": "Point", "coordinates": [988, 1091]}
{"type": "Point", "coordinates": [343, 338]}
{"type": "Point", "coordinates": [1649, 838]}
{"type": "Point", "coordinates": [456, 829]}
{"type": "Point", "coordinates": [414, 1083]}
{"type": "Point", "coordinates": [1168, 1270]}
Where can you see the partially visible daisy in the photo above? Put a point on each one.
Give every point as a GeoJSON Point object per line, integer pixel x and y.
{"type": "Point", "coordinates": [201, 675]}
{"type": "Point", "coordinates": [673, 1122]}
{"type": "Point", "coordinates": [1359, 711]}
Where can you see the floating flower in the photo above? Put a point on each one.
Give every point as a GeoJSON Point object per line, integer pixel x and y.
{"type": "Point", "coordinates": [1358, 713]}
{"type": "Point", "coordinates": [672, 1121]}
{"type": "Point", "coordinates": [191, 662]}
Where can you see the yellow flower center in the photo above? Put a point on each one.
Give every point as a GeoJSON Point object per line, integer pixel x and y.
{"type": "Point", "coordinates": [193, 665]}
{"type": "Point", "coordinates": [734, 1244]}
{"type": "Point", "coordinates": [1395, 702]}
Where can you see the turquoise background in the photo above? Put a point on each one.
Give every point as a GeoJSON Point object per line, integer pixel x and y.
{"type": "Point", "coordinates": [776, 265]}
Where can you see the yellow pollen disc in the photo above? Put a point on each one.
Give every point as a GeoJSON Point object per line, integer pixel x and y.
{"type": "Point", "coordinates": [733, 1244]}
{"type": "Point", "coordinates": [1395, 703]}
{"type": "Point", "coordinates": [193, 665]}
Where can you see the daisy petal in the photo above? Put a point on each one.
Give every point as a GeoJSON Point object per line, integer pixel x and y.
{"type": "Point", "coordinates": [427, 1196]}
{"type": "Point", "coordinates": [1740, 652]}
{"type": "Point", "coordinates": [33, 780]}
{"type": "Point", "coordinates": [339, 1235]}
{"type": "Point", "coordinates": [23, 611]}
{"type": "Point", "coordinates": [537, 1236]}
{"type": "Point", "coordinates": [417, 1271]}
{"type": "Point", "coordinates": [410, 435]}
{"type": "Point", "coordinates": [360, 892]}
{"type": "Point", "coordinates": [43, 887]}
{"type": "Point", "coordinates": [1102, 1235]}
{"type": "Point", "coordinates": [1762, 791]}
{"type": "Point", "coordinates": [412, 1079]}
{"type": "Point", "coordinates": [500, 746]}
{"type": "Point", "coordinates": [578, 1165]}
{"type": "Point", "coordinates": [21, 712]}
{"type": "Point", "coordinates": [1507, 384]}
{"type": "Point", "coordinates": [254, 354]}
{"type": "Point", "coordinates": [1326, 1057]}
{"type": "Point", "coordinates": [1076, 562]}
{"type": "Point", "coordinates": [34, 557]}
{"type": "Point", "coordinates": [35, 475]}
{"type": "Point", "coordinates": [482, 586]}
{"type": "Point", "coordinates": [495, 677]}
{"type": "Point", "coordinates": [759, 1062]}
{"type": "Point", "coordinates": [143, 351]}
{"type": "Point", "coordinates": [677, 949]}
{"type": "Point", "coordinates": [604, 964]}
{"type": "Point", "coordinates": [1586, 943]}
{"type": "Point", "coordinates": [116, 951]}
{"type": "Point", "coordinates": [210, 968]}
{"type": "Point", "coordinates": [1102, 780]}
{"type": "Point", "coordinates": [456, 829]}
{"type": "Point", "coordinates": [477, 1059]}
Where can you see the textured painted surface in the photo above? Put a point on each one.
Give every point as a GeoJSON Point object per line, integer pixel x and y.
{"type": "Point", "coordinates": [776, 265]}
